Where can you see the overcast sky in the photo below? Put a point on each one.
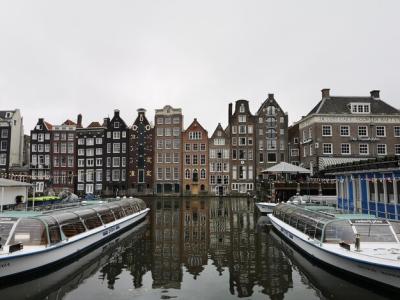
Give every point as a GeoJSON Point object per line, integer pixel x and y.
{"type": "Point", "coordinates": [61, 58]}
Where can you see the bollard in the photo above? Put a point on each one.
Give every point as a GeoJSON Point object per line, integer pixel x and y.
{"type": "Point", "coordinates": [357, 243]}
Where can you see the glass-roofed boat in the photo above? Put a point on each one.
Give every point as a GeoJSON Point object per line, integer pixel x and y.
{"type": "Point", "coordinates": [34, 240]}
{"type": "Point", "coordinates": [362, 245]}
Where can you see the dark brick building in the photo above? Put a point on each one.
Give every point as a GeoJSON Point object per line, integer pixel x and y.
{"type": "Point", "coordinates": [140, 168]}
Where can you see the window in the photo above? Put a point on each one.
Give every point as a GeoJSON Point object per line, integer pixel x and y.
{"type": "Point", "coordinates": [176, 173]}
{"type": "Point", "coordinates": [108, 147]}
{"type": "Point", "coordinates": [380, 131]}
{"type": "Point", "coordinates": [89, 141]}
{"type": "Point", "coordinates": [381, 149]}
{"type": "Point", "coordinates": [99, 162]}
{"type": "Point", "coordinates": [123, 147]}
{"type": "Point", "coordinates": [167, 131]}
{"type": "Point", "coordinates": [176, 144]}
{"type": "Point", "coordinates": [99, 141]}
{"type": "Point", "coordinates": [360, 108]}
{"type": "Point", "coordinates": [3, 145]}
{"type": "Point", "coordinates": [99, 151]}
{"type": "Point", "coordinates": [160, 120]}
{"type": "Point", "coordinates": [176, 131]}
{"type": "Point", "coordinates": [294, 152]}
{"type": "Point", "coordinates": [363, 149]}
{"type": "Point", "coordinates": [34, 136]}
{"type": "Point", "coordinates": [212, 179]}
{"type": "Point", "coordinates": [115, 175]}
{"type": "Point", "coordinates": [271, 157]}
{"type": "Point", "coordinates": [271, 144]}
{"type": "Point", "coordinates": [241, 108]}
{"type": "Point", "coordinates": [345, 149]}
{"type": "Point", "coordinates": [4, 133]}
{"type": "Point", "coordinates": [123, 162]}
{"type": "Point", "coordinates": [34, 147]}
{"type": "Point", "coordinates": [260, 120]}
{"type": "Point", "coordinates": [195, 135]}
{"type": "Point", "coordinates": [81, 163]}
{"type": "Point", "coordinates": [99, 175]}
{"type": "Point", "coordinates": [159, 173]}
{"type": "Point", "coordinates": [116, 161]}
{"type": "Point", "coordinates": [327, 149]}
{"type": "Point", "coordinates": [344, 130]}
{"type": "Point", "coordinates": [168, 157]}
{"type": "Point", "coordinates": [362, 131]}
{"type": "Point", "coordinates": [116, 147]}
{"type": "Point", "coordinates": [242, 141]}
{"type": "Point", "coordinates": [195, 159]}
{"type": "Point", "coordinates": [202, 174]}
{"type": "Point", "coordinates": [116, 135]}
{"type": "Point", "coordinates": [123, 134]}
{"type": "Point", "coordinates": [187, 147]}
{"type": "Point", "coordinates": [160, 144]}
{"type": "Point", "coordinates": [187, 174]}
{"type": "Point", "coordinates": [397, 149]}
{"type": "Point", "coordinates": [176, 158]}
{"type": "Point", "coordinates": [176, 120]}
{"type": "Point", "coordinates": [70, 148]}
{"type": "Point", "coordinates": [242, 129]}
{"type": "Point", "coordinates": [397, 131]}
{"type": "Point", "coordinates": [326, 130]}
{"type": "Point", "coordinates": [203, 159]}
{"type": "Point", "coordinates": [3, 159]}
{"type": "Point", "coordinates": [168, 144]}
{"type": "Point", "coordinates": [202, 147]}
{"type": "Point", "coordinates": [234, 129]}
{"type": "Point", "coordinates": [242, 118]}
{"type": "Point", "coordinates": [167, 120]}
{"type": "Point", "coordinates": [81, 152]}
{"type": "Point", "coordinates": [195, 147]}
{"type": "Point", "coordinates": [89, 162]}
{"type": "Point", "coordinates": [116, 124]}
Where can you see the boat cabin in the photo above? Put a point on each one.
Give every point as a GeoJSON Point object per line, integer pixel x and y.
{"type": "Point", "coordinates": [327, 226]}
{"type": "Point", "coordinates": [18, 230]}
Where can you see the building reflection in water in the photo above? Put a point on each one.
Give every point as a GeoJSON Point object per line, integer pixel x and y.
{"type": "Point", "coordinates": [166, 243]}
{"type": "Point", "coordinates": [185, 233]}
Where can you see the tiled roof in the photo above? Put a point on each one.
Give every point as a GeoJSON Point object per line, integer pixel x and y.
{"type": "Point", "coordinates": [69, 122]}
{"type": "Point", "coordinates": [48, 125]}
{"type": "Point", "coordinates": [94, 125]}
{"type": "Point", "coordinates": [341, 105]}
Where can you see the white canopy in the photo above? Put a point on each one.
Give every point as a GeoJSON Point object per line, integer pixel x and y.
{"type": "Point", "coordinates": [284, 167]}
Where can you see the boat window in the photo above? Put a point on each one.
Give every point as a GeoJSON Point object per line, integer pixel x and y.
{"type": "Point", "coordinates": [107, 217]}
{"type": "Point", "coordinates": [73, 229]}
{"type": "Point", "coordinates": [30, 232]}
{"type": "Point", "coordinates": [375, 233]}
{"type": "Point", "coordinates": [5, 228]}
{"type": "Point", "coordinates": [339, 231]}
{"type": "Point", "coordinates": [92, 221]}
{"type": "Point", "coordinates": [54, 234]}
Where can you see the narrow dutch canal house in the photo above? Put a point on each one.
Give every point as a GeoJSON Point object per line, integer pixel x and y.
{"type": "Point", "coordinates": [167, 153]}
{"type": "Point", "coordinates": [219, 155]}
{"type": "Point", "coordinates": [272, 135]}
{"type": "Point", "coordinates": [63, 155]}
{"type": "Point", "coordinates": [242, 132]}
{"type": "Point", "coordinates": [140, 168]}
{"type": "Point", "coordinates": [11, 141]}
{"type": "Point", "coordinates": [40, 166]}
{"type": "Point", "coordinates": [89, 158]}
{"type": "Point", "coordinates": [195, 155]}
{"type": "Point", "coordinates": [115, 156]}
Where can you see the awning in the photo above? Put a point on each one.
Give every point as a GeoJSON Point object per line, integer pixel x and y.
{"type": "Point", "coordinates": [325, 162]}
{"type": "Point", "coordinates": [284, 167]}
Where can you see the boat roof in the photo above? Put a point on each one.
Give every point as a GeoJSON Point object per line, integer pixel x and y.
{"type": "Point", "coordinates": [19, 214]}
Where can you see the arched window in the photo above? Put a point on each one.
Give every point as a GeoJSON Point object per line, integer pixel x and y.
{"type": "Point", "coordinates": [195, 175]}
{"type": "Point", "coordinates": [187, 174]}
{"type": "Point", "coordinates": [203, 174]}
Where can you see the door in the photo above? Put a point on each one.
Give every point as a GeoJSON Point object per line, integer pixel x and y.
{"type": "Point", "coordinates": [220, 190]}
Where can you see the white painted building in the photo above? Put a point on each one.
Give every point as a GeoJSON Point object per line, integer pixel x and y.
{"type": "Point", "coordinates": [13, 192]}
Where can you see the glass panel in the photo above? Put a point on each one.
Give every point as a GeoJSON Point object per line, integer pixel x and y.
{"type": "Point", "coordinates": [30, 232]}
{"type": "Point", "coordinates": [375, 233]}
{"type": "Point", "coordinates": [339, 231]}
{"type": "Point", "coordinates": [73, 229]}
{"type": "Point", "coordinates": [5, 228]}
{"type": "Point", "coordinates": [92, 221]}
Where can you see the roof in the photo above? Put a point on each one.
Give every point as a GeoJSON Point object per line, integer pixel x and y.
{"type": "Point", "coordinates": [341, 105]}
{"type": "Point", "coordinates": [69, 122]}
{"type": "Point", "coordinates": [94, 125]}
{"type": "Point", "coordinates": [195, 126]}
{"type": "Point", "coordinates": [284, 167]}
{"type": "Point", "coordinates": [48, 125]}
{"type": "Point", "coordinates": [13, 183]}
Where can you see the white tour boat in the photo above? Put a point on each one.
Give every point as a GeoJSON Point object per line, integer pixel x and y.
{"type": "Point", "coordinates": [361, 245]}
{"type": "Point", "coordinates": [265, 207]}
{"type": "Point", "coordinates": [32, 241]}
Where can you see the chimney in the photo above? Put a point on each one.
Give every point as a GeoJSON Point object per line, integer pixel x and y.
{"type": "Point", "coordinates": [229, 112]}
{"type": "Point", "coordinates": [270, 96]}
{"type": "Point", "coordinates": [375, 94]}
{"type": "Point", "coordinates": [105, 123]}
{"type": "Point", "coordinates": [41, 120]}
{"type": "Point", "coordinates": [116, 112]}
{"type": "Point", "coordinates": [325, 93]}
{"type": "Point", "coordinates": [79, 121]}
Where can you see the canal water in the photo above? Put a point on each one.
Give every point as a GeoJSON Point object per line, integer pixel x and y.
{"type": "Point", "coordinates": [193, 248]}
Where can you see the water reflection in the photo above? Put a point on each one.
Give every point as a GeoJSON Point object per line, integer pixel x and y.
{"type": "Point", "coordinates": [199, 245]}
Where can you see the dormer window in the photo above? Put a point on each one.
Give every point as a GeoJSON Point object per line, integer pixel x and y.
{"type": "Point", "coordinates": [360, 108]}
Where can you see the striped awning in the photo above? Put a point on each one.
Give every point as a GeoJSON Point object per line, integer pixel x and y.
{"type": "Point", "coordinates": [331, 161]}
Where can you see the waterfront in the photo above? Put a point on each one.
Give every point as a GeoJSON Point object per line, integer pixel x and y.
{"type": "Point", "coordinates": [193, 248]}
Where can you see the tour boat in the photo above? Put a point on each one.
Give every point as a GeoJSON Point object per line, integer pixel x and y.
{"type": "Point", "coordinates": [265, 207]}
{"type": "Point", "coordinates": [30, 241]}
{"type": "Point", "coordinates": [361, 245]}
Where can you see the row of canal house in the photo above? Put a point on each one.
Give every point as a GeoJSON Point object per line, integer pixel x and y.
{"type": "Point", "coordinates": [112, 158]}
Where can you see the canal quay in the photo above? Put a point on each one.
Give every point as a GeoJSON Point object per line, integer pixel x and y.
{"type": "Point", "coordinates": [193, 248]}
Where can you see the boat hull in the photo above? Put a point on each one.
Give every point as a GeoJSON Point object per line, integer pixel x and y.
{"type": "Point", "coordinates": [378, 274]}
{"type": "Point", "coordinates": [18, 264]}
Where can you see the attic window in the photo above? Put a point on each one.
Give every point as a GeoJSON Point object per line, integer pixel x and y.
{"type": "Point", "coordinates": [8, 115]}
{"type": "Point", "coordinates": [360, 108]}
{"type": "Point", "coordinates": [241, 109]}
